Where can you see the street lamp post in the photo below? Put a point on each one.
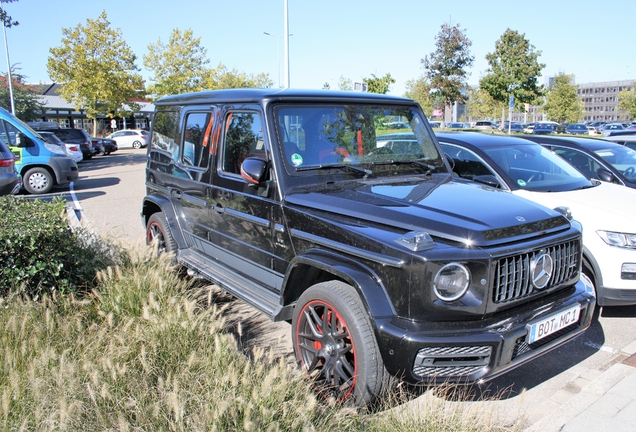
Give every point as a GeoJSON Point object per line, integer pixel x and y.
{"type": "Point", "coordinates": [277, 54]}
{"type": "Point", "coordinates": [6, 48]}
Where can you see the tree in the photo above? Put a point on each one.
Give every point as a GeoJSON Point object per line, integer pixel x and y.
{"type": "Point", "coordinates": [179, 66]}
{"type": "Point", "coordinates": [446, 66]}
{"type": "Point", "coordinates": [562, 103]}
{"type": "Point", "coordinates": [627, 102]}
{"type": "Point", "coordinates": [379, 85]}
{"type": "Point", "coordinates": [420, 91]}
{"type": "Point", "coordinates": [481, 105]}
{"type": "Point", "coordinates": [97, 69]}
{"type": "Point", "coordinates": [514, 69]}
{"type": "Point", "coordinates": [5, 18]}
{"type": "Point", "coordinates": [345, 84]}
{"type": "Point", "coordinates": [26, 98]}
{"type": "Point", "coordinates": [222, 78]}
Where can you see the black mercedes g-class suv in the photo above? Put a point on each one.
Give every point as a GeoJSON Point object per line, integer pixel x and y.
{"type": "Point", "coordinates": [306, 205]}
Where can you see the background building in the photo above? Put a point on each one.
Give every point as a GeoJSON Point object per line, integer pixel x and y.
{"type": "Point", "coordinates": [57, 109]}
{"type": "Point", "coordinates": [601, 100]}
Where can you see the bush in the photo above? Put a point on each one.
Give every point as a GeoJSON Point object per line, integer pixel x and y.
{"type": "Point", "coordinates": [40, 254]}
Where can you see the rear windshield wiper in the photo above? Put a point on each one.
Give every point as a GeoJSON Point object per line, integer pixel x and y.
{"type": "Point", "coordinates": [345, 167]}
{"type": "Point", "coordinates": [430, 168]}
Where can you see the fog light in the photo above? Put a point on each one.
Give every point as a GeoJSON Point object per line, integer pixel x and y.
{"type": "Point", "coordinates": [628, 271]}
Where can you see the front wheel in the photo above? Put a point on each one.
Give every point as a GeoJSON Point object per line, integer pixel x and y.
{"type": "Point", "coordinates": [38, 180]}
{"type": "Point", "coordinates": [335, 344]}
{"type": "Point", "coordinates": [158, 230]}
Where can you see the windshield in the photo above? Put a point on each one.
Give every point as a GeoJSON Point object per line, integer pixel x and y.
{"type": "Point", "coordinates": [621, 158]}
{"type": "Point", "coordinates": [533, 167]}
{"type": "Point", "coordinates": [376, 139]}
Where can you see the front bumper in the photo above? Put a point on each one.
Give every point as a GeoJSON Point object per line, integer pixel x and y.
{"type": "Point", "coordinates": [469, 351]}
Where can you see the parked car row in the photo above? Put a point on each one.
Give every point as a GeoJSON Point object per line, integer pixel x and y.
{"type": "Point", "coordinates": [594, 179]}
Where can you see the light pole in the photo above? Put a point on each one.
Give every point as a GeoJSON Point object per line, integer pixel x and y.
{"type": "Point", "coordinates": [277, 54]}
{"type": "Point", "coordinates": [6, 48]}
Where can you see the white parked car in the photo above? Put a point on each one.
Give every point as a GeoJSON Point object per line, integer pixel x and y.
{"type": "Point", "coordinates": [131, 138]}
{"type": "Point", "coordinates": [72, 150]}
{"type": "Point", "coordinates": [605, 211]}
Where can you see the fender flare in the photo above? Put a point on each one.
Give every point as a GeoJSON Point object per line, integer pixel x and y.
{"type": "Point", "coordinates": [362, 278]}
{"type": "Point", "coordinates": [153, 204]}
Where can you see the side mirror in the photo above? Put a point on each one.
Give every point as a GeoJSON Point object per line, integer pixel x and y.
{"type": "Point", "coordinates": [23, 141]}
{"type": "Point", "coordinates": [253, 170]}
{"type": "Point", "coordinates": [450, 161]}
{"type": "Point", "coordinates": [487, 179]}
{"type": "Point", "coordinates": [605, 175]}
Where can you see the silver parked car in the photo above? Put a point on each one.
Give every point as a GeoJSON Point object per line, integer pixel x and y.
{"type": "Point", "coordinates": [130, 138]}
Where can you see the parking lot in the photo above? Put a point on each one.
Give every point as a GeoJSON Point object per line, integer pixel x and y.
{"type": "Point", "coordinates": [108, 197]}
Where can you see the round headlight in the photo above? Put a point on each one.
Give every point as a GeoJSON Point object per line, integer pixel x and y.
{"type": "Point", "coordinates": [451, 282]}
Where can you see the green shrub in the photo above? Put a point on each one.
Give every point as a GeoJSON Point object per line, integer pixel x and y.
{"type": "Point", "coordinates": [40, 254]}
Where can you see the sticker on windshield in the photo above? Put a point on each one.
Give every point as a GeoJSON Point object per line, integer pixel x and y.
{"type": "Point", "coordinates": [296, 159]}
{"type": "Point", "coordinates": [521, 183]}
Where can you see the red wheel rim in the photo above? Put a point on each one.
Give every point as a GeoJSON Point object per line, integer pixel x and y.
{"type": "Point", "coordinates": [326, 350]}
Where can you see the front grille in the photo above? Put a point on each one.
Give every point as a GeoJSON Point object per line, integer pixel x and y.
{"type": "Point", "coordinates": [513, 275]}
{"type": "Point", "coordinates": [451, 361]}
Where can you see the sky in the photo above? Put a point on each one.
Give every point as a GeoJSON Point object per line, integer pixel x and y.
{"type": "Point", "coordinates": [330, 39]}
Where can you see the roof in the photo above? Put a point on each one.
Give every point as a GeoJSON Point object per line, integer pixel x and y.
{"type": "Point", "coordinates": [257, 95]}
{"type": "Point", "coordinates": [53, 102]}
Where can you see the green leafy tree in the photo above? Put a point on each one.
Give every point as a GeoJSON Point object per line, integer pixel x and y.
{"type": "Point", "coordinates": [446, 67]}
{"type": "Point", "coordinates": [4, 17]}
{"type": "Point", "coordinates": [178, 66]}
{"type": "Point", "coordinates": [514, 70]}
{"type": "Point", "coordinates": [26, 99]}
{"type": "Point", "coordinates": [345, 84]}
{"type": "Point", "coordinates": [379, 85]}
{"type": "Point", "coordinates": [97, 69]}
{"type": "Point", "coordinates": [420, 91]}
{"type": "Point", "coordinates": [221, 78]}
{"type": "Point", "coordinates": [562, 104]}
{"type": "Point", "coordinates": [627, 102]}
{"type": "Point", "coordinates": [480, 105]}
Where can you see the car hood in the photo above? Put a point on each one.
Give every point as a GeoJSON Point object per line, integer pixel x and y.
{"type": "Point", "coordinates": [442, 206]}
{"type": "Point", "coordinates": [605, 206]}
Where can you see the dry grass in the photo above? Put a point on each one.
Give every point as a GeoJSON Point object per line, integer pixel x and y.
{"type": "Point", "coordinates": [140, 354]}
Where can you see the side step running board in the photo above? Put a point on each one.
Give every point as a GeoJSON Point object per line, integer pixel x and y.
{"type": "Point", "coordinates": [247, 290]}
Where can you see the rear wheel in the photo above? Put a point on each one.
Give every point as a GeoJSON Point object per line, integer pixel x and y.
{"type": "Point", "coordinates": [38, 180]}
{"type": "Point", "coordinates": [158, 230]}
{"type": "Point", "coordinates": [136, 145]}
{"type": "Point", "coordinates": [335, 344]}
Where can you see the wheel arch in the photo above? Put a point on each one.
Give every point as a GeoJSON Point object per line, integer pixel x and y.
{"type": "Point", "coordinates": [315, 266]}
{"type": "Point", "coordinates": [154, 204]}
{"type": "Point", "coordinates": [591, 268]}
{"type": "Point", "coordinates": [49, 168]}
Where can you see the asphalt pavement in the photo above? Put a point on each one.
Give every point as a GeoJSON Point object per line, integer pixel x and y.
{"type": "Point", "coordinates": [587, 385]}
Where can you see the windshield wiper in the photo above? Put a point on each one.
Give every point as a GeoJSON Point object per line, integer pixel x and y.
{"type": "Point", "coordinates": [345, 167]}
{"type": "Point", "coordinates": [430, 168]}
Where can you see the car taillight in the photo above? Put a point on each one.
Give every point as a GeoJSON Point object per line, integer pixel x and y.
{"type": "Point", "coordinates": [6, 162]}
{"type": "Point", "coordinates": [73, 148]}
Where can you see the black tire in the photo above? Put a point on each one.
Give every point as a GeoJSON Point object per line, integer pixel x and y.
{"type": "Point", "coordinates": [136, 144]}
{"type": "Point", "coordinates": [38, 180]}
{"type": "Point", "coordinates": [344, 361]}
{"type": "Point", "coordinates": [158, 229]}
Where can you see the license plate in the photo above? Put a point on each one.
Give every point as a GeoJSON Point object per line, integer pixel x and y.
{"type": "Point", "coordinates": [554, 323]}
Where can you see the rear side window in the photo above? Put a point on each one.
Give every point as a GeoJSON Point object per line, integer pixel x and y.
{"type": "Point", "coordinates": [165, 133]}
{"type": "Point", "coordinates": [196, 141]}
